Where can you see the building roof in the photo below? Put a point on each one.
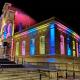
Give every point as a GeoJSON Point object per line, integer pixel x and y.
{"type": "Point", "coordinates": [46, 23]}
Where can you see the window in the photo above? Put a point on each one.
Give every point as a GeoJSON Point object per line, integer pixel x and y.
{"type": "Point", "coordinates": [32, 47]}
{"type": "Point", "coordinates": [17, 48]}
{"type": "Point", "coordinates": [23, 48]}
{"type": "Point", "coordinates": [42, 45]}
{"type": "Point", "coordinates": [77, 49]}
{"type": "Point", "coordinates": [62, 44]}
{"type": "Point", "coordinates": [68, 47]}
{"type": "Point", "coordinates": [74, 51]}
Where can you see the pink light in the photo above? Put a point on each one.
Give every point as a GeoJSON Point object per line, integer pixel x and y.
{"type": "Point", "coordinates": [67, 29]}
{"type": "Point", "coordinates": [26, 20]}
{"type": "Point", "coordinates": [23, 48]}
{"type": "Point", "coordinates": [8, 34]}
{"type": "Point", "coordinates": [61, 30]}
{"type": "Point", "coordinates": [77, 49]}
{"type": "Point", "coordinates": [62, 44]}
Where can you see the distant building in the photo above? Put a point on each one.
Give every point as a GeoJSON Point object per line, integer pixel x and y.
{"type": "Point", "coordinates": [28, 41]}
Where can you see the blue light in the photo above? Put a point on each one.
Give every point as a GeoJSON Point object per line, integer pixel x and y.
{"type": "Point", "coordinates": [68, 47]}
{"type": "Point", "coordinates": [6, 28]}
{"type": "Point", "coordinates": [20, 27]}
{"type": "Point", "coordinates": [32, 30]}
{"type": "Point", "coordinates": [32, 47]}
{"type": "Point", "coordinates": [79, 48]}
{"type": "Point", "coordinates": [52, 39]}
{"type": "Point", "coordinates": [5, 34]}
{"type": "Point", "coordinates": [51, 60]}
{"type": "Point", "coordinates": [5, 31]}
{"type": "Point", "coordinates": [10, 30]}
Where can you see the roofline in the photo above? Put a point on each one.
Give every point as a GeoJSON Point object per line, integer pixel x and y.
{"type": "Point", "coordinates": [68, 30]}
{"type": "Point", "coordinates": [52, 19]}
{"type": "Point", "coordinates": [39, 24]}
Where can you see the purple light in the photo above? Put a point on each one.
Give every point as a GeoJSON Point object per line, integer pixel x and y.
{"type": "Point", "coordinates": [62, 44]}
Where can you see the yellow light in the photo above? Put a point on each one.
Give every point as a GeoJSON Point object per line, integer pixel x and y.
{"type": "Point", "coordinates": [73, 44]}
{"type": "Point", "coordinates": [39, 28]}
{"type": "Point", "coordinates": [74, 51]}
{"type": "Point", "coordinates": [13, 28]}
{"type": "Point", "coordinates": [3, 24]}
{"type": "Point", "coordinates": [42, 45]}
{"type": "Point", "coordinates": [17, 48]}
{"type": "Point", "coordinates": [0, 41]}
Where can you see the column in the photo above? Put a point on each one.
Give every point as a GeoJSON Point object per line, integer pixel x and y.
{"type": "Point", "coordinates": [62, 48]}
{"type": "Point", "coordinates": [52, 39]}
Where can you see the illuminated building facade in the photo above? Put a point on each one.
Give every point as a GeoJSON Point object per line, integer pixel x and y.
{"type": "Point", "coordinates": [47, 41]}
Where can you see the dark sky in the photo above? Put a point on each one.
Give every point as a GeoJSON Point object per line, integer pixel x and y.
{"type": "Point", "coordinates": [44, 9]}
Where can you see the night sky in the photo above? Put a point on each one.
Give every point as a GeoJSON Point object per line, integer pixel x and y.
{"type": "Point", "coordinates": [40, 11]}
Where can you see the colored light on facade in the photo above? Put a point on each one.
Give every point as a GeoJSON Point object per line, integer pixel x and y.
{"type": "Point", "coordinates": [62, 44]}
{"type": "Point", "coordinates": [67, 30]}
{"type": "Point", "coordinates": [9, 30]}
{"type": "Point", "coordinates": [39, 41]}
{"type": "Point", "coordinates": [77, 49]}
{"type": "Point", "coordinates": [52, 39]}
{"type": "Point", "coordinates": [12, 45]}
{"type": "Point", "coordinates": [32, 47]}
{"type": "Point", "coordinates": [42, 45]}
{"type": "Point", "coordinates": [74, 51]}
{"type": "Point", "coordinates": [52, 60]}
{"type": "Point", "coordinates": [32, 30]}
{"type": "Point", "coordinates": [5, 35]}
{"type": "Point", "coordinates": [26, 20]}
{"type": "Point", "coordinates": [3, 24]}
{"type": "Point", "coordinates": [42, 26]}
{"type": "Point", "coordinates": [17, 48]}
{"type": "Point", "coordinates": [20, 27]}
{"type": "Point", "coordinates": [73, 44]}
{"type": "Point", "coordinates": [23, 48]}
{"type": "Point", "coordinates": [5, 31]}
{"type": "Point", "coordinates": [68, 47]}
{"type": "Point", "coordinates": [13, 28]}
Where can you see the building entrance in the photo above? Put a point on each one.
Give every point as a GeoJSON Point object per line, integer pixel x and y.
{"type": "Point", "coordinates": [4, 49]}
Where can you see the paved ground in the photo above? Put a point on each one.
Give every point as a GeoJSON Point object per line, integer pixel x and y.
{"type": "Point", "coordinates": [27, 74]}
{"type": "Point", "coordinates": [21, 74]}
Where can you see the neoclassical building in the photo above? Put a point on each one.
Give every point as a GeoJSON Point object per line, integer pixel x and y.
{"type": "Point", "coordinates": [22, 39]}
